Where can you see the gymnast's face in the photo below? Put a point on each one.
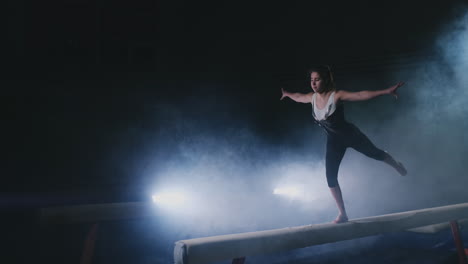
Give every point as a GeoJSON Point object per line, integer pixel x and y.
{"type": "Point", "coordinates": [316, 82]}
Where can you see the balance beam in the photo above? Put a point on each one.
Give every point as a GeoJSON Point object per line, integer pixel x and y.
{"type": "Point", "coordinates": [237, 246]}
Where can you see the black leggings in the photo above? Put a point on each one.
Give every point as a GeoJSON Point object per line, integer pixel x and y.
{"type": "Point", "coordinates": [336, 148]}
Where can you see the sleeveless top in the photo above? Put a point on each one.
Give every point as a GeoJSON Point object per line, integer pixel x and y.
{"type": "Point", "coordinates": [322, 114]}
{"type": "Point", "coordinates": [331, 117]}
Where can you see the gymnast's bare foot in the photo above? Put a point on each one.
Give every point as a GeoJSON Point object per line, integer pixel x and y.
{"type": "Point", "coordinates": [341, 219]}
{"type": "Point", "coordinates": [401, 169]}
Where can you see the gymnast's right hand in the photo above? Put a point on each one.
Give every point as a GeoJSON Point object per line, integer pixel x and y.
{"type": "Point", "coordinates": [283, 94]}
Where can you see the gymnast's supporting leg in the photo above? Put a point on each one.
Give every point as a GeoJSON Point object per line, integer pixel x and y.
{"type": "Point", "coordinates": [337, 195]}
{"type": "Point", "coordinates": [335, 153]}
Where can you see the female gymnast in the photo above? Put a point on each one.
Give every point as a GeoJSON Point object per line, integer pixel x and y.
{"type": "Point", "coordinates": [328, 112]}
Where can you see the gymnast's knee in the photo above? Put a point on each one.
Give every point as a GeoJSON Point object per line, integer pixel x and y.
{"type": "Point", "coordinates": [332, 182]}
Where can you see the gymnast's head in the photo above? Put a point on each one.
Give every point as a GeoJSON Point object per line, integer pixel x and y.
{"type": "Point", "coordinates": [321, 79]}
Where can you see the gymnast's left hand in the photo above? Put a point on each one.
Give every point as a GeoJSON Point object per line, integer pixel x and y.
{"type": "Point", "coordinates": [393, 89]}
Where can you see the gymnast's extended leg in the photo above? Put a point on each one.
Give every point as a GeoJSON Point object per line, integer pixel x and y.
{"type": "Point", "coordinates": [363, 144]}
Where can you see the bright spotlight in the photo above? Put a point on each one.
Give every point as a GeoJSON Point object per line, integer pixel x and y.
{"type": "Point", "coordinates": [169, 199]}
{"type": "Point", "coordinates": [291, 192]}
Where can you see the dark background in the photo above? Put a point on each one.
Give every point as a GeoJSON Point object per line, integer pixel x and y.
{"type": "Point", "coordinates": [98, 93]}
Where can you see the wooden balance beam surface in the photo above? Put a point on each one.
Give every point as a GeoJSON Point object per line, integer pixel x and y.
{"type": "Point", "coordinates": [216, 248]}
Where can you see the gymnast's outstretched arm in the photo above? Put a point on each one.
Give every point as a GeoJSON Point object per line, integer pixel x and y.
{"type": "Point", "coordinates": [366, 95]}
{"type": "Point", "coordinates": [297, 97]}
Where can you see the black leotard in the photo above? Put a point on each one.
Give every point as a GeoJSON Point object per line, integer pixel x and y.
{"type": "Point", "coordinates": [342, 134]}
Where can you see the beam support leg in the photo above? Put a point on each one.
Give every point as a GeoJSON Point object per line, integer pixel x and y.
{"type": "Point", "coordinates": [458, 242]}
{"type": "Point", "coordinates": [88, 247]}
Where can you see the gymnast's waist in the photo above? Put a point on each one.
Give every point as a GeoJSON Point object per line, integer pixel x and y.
{"type": "Point", "coordinates": [336, 128]}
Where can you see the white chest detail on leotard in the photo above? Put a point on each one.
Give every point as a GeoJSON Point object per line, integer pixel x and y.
{"type": "Point", "coordinates": [328, 110]}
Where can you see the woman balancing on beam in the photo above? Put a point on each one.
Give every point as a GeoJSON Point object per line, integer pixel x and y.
{"type": "Point", "coordinates": [328, 112]}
